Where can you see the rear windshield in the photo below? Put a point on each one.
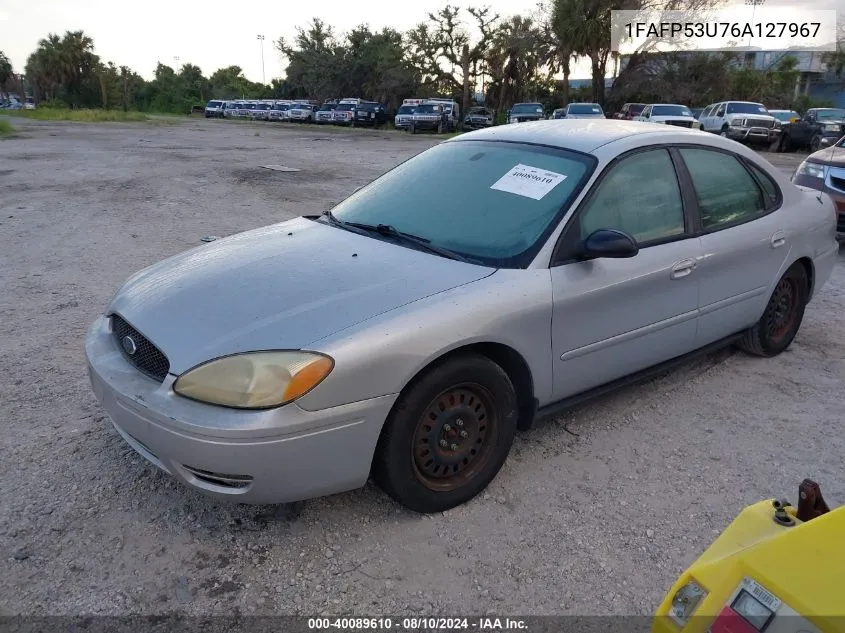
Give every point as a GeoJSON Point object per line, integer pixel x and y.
{"type": "Point", "coordinates": [527, 108]}
{"type": "Point", "coordinates": [636, 108]}
{"type": "Point", "coordinates": [670, 110]}
{"type": "Point", "coordinates": [585, 108]}
{"type": "Point", "coordinates": [746, 108]}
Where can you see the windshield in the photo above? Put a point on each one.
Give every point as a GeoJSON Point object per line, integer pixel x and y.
{"type": "Point", "coordinates": [343, 107]}
{"type": "Point", "coordinates": [479, 113]}
{"type": "Point", "coordinates": [249, 106]}
{"type": "Point", "coordinates": [670, 110]}
{"type": "Point", "coordinates": [746, 108]}
{"type": "Point", "coordinates": [281, 106]}
{"type": "Point", "coordinates": [527, 108]}
{"type": "Point", "coordinates": [406, 109]}
{"type": "Point", "coordinates": [636, 108]}
{"type": "Point", "coordinates": [784, 116]}
{"type": "Point", "coordinates": [494, 202]}
{"type": "Point", "coordinates": [830, 114]}
{"type": "Point", "coordinates": [585, 108]}
{"type": "Point", "coordinates": [427, 108]}
{"type": "Point", "coordinates": [214, 104]}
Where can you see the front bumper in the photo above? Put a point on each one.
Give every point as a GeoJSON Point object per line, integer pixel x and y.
{"type": "Point", "coordinates": [753, 134]}
{"type": "Point", "coordinates": [272, 456]}
{"type": "Point", "coordinates": [426, 124]}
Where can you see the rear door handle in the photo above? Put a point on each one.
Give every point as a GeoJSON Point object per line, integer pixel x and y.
{"type": "Point", "coordinates": [683, 268]}
{"type": "Point", "coordinates": [778, 239]}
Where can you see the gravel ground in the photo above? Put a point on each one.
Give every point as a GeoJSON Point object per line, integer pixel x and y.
{"type": "Point", "coordinates": [596, 512]}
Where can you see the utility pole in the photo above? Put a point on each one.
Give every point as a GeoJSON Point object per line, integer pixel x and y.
{"type": "Point", "coordinates": [753, 4]}
{"type": "Point", "coordinates": [263, 78]}
{"type": "Point", "coordinates": [176, 59]}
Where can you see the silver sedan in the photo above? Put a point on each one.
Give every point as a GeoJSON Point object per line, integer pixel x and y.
{"type": "Point", "coordinates": [410, 331]}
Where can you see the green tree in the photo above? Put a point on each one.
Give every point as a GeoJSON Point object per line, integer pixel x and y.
{"type": "Point", "coordinates": [6, 75]}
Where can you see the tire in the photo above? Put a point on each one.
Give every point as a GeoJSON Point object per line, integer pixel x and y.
{"type": "Point", "coordinates": [412, 129]}
{"type": "Point", "coordinates": [815, 143]}
{"type": "Point", "coordinates": [776, 329]}
{"type": "Point", "coordinates": [440, 128]}
{"type": "Point", "coordinates": [468, 401]}
{"type": "Point", "coordinates": [724, 132]}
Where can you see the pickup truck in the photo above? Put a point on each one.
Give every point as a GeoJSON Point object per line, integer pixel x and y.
{"type": "Point", "coordinates": [817, 129]}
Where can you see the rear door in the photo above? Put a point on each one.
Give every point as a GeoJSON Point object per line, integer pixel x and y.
{"type": "Point", "coordinates": [743, 239]}
{"type": "Point", "coordinates": [612, 317]}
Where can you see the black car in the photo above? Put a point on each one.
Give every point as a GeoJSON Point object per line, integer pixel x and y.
{"type": "Point", "coordinates": [521, 112]}
{"type": "Point", "coordinates": [369, 113]}
{"type": "Point", "coordinates": [478, 118]}
{"type": "Point", "coordinates": [817, 129]}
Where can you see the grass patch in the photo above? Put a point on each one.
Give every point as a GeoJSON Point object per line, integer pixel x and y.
{"type": "Point", "coordinates": [6, 128]}
{"type": "Point", "coordinates": [81, 116]}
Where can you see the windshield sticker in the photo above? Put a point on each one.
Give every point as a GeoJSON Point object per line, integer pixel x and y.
{"type": "Point", "coordinates": [527, 181]}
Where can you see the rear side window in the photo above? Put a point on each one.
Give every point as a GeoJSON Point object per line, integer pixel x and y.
{"type": "Point", "coordinates": [631, 199]}
{"type": "Point", "coordinates": [770, 189]}
{"type": "Point", "coordinates": [726, 192]}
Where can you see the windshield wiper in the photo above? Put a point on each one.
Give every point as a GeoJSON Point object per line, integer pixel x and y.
{"type": "Point", "coordinates": [388, 230]}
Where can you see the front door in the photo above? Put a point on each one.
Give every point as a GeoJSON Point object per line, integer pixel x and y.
{"type": "Point", "coordinates": [612, 317]}
{"type": "Point", "coordinates": [744, 242]}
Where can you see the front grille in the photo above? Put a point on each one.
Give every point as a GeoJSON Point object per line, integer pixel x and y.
{"type": "Point", "coordinates": [840, 223]}
{"type": "Point", "coordinates": [838, 183]}
{"type": "Point", "coordinates": [680, 123]}
{"type": "Point", "coordinates": [147, 359]}
{"type": "Point", "coordinates": [759, 123]}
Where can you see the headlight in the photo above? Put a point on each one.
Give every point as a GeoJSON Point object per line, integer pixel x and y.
{"type": "Point", "coordinates": [831, 127]}
{"type": "Point", "coordinates": [696, 125]}
{"type": "Point", "coordinates": [514, 119]}
{"type": "Point", "coordinates": [813, 170]}
{"type": "Point", "coordinates": [255, 380]}
{"type": "Point", "coordinates": [736, 122]}
{"type": "Point", "coordinates": [685, 601]}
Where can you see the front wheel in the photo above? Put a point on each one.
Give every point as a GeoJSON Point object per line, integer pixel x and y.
{"type": "Point", "coordinates": [724, 132]}
{"type": "Point", "coordinates": [448, 435]}
{"type": "Point", "coordinates": [816, 143]}
{"type": "Point", "coordinates": [776, 329]}
{"type": "Point", "coordinates": [412, 129]}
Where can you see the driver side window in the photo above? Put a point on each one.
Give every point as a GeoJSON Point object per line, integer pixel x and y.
{"type": "Point", "coordinates": [641, 196]}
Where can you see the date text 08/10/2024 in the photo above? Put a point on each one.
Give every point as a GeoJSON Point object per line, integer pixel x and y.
{"type": "Point", "coordinates": [417, 624]}
{"type": "Point", "coordinates": [774, 30]}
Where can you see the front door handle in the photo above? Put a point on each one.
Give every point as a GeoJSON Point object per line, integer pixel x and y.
{"type": "Point", "coordinates": [778, 239]}
{"type": "Point", "coordinates": [683, 268]}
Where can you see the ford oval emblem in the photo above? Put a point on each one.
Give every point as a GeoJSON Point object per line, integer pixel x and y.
{"type": "Point", "coordinates": [129, 345]}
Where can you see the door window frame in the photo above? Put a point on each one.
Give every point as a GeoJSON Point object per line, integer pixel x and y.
{"type": "Point", "coordinates": [565, 252]}
{"type": "Point", "coordinates": [684, 175]}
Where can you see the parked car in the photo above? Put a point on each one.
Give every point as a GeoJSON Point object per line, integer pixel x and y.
{"type": "Point", "coordinates": [429, 116]}
{"type": "Point", "coordinates": [785, 116]}
{"type": "Point", "coordinates": [402, 120]}
{"type": "Point", "coordinates": [29, 104]}
{"type": "Point", "coordinates": [231, 109]}
{"type": "Point", "coordinates": [478, 117]}
{"type": "Point", "coordinates": [262, 108]}
{"type": "Point", "coordinates": [323, 114]}
{"type": "Point", "coordinates": [523, 112]}
{"type": "Point", "coordinates": [744, 121]}
{"type": "Point", "coordinates": [817, 129]}
{"type": "Point", "coordinates": [824, 170]}
{"type": "Point", "coordinates": [630, 111]}
{"type": "Point", "coordinates": [280, 111]}
{"type": "Point", "coordinates": [369, 114]}
{"type": "Point", "coordinates": [391, 336]}
{"type": "Point", "coordinates": [301, 112]}
{"type": "Point", "coordinates": [669, 114]}
{"type": "Point", "coordinates": [696, 112]}
{"type": "Point", "coordinates": [214, 108]}
{"type": "Point", "coordinates": [559, 113]}
{"type": "Point", "coordinates": [246, 108]}
{"type": "Point", "coordinates": [583, 111]}
{"type": "Point", "coordinates": [451, 109]}
{"type": "Point", "coordinates": [344, 113]}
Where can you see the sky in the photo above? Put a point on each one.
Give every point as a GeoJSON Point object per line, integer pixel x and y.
{"type": "Point", "coordinates": [217, 33]}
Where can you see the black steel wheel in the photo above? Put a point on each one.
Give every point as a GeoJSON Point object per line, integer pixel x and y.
{"type": "Point", "coordinates": [816, 143]}
{"type": "Point", "coordinates": [782, 318]}
{"type": "Point", "coordinates": [448, 434]}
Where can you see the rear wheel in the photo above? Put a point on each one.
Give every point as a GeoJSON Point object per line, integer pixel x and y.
{"type": "Point", "coordinates": [448, 435]}
{"type": "Point", "coordinates": [776, 329]}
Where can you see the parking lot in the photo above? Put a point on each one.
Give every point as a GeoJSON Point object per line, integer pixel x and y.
{"type": "Point", "coordinates": [594, 513]}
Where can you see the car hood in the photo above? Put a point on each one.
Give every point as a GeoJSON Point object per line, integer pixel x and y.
{"type": "Point", "coordinates": [283, 286]}
{"type": "Point", "coordinates": [829, 156]}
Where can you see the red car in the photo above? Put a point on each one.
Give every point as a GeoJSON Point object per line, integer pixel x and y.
{"type": "Point", "coordinates": [630, 111]}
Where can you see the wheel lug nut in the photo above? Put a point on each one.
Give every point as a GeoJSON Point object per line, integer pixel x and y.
{"type": "Point", "coordinates": [459, 422]}
{"type": "Point", "coordinates": [454, 447]}
{"type": "Point", "coordinates": [446, 427]}
{"type": "Point", "coordinates": [444, 443]}
{"type": "Point", "coordinates": [464, 433]}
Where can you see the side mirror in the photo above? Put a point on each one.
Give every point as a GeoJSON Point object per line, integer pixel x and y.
{"type": "Point", "coordinates": [611, 243]}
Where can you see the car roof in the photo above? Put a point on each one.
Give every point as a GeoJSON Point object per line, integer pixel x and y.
{"type": "Point", "coordinates": [581, 135]}
{"type": "Point", "coordinates": [582, 103]}
{"type": "Point", "coordinates": [668, 104]}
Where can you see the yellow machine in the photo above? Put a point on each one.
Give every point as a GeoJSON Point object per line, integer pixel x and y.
{"type": "Point", "coordinates": [776, 568]}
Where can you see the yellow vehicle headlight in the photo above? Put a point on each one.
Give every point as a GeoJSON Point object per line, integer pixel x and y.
{"type": "Point", "coordinates": [255, 380]}
{"type": "Point", "coordinates": [685, 601]}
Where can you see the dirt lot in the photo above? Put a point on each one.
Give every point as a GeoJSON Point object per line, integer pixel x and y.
{"type": "Point", "coordinates": [594, 513]}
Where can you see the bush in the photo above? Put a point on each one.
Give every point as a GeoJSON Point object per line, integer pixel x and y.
{"type": "Point", "coordinates": [82, 116]}
{"type": "Point", "coordinates": [6, 128]}
{"type": "Point", "coordinates": [53, 104]}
